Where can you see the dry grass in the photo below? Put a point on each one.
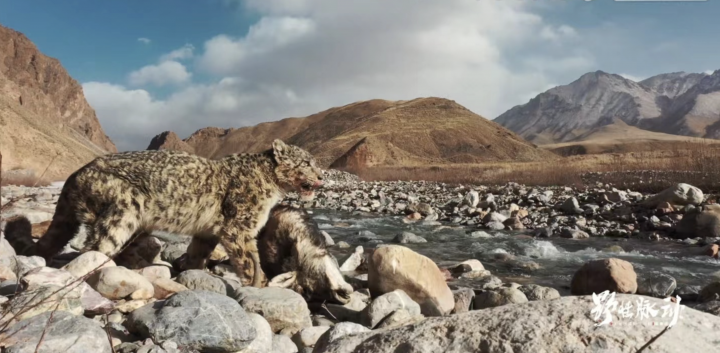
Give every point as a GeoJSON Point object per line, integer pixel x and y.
{"type": "Point", "coordinates": [695, 163]}
{"type": "Point", "coordinates": [23, 180]}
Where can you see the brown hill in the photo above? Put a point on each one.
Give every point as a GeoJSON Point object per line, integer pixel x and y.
{"type": "Point", "coordinates": [380, 133]}
{"type": "Point", "coordinates": [169, 140]}
{"type": "Point", "coordinates": [43, 112]}
{"type": "Point", "coordinates": [619, 137]}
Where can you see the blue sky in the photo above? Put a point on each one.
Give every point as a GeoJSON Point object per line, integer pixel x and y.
{"type": "Point", "coordinates": [247, 61]}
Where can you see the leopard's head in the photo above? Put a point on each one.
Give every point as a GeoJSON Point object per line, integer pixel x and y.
{"type": "Point", "coordinates": [296, 170]}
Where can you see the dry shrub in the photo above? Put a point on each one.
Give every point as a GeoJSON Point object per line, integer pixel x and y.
{"type": "Point", "coordinates": [22, 179]}
{"type": "Point", "coordinates": [651, 171]}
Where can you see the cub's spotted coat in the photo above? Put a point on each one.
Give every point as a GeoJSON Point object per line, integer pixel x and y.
{"type": "Point", "coordinates": [227, 200]}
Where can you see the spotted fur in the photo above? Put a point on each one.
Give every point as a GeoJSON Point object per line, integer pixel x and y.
{"type": "Point", "coordinates": [224, 201]}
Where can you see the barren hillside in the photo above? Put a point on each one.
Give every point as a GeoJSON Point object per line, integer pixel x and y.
{"type": "Point", "coordinates": [379, 133]}
{"type": "Point", "coordinates": [619, 137]}
{"type": "Point", "coordinates": [43, 112]}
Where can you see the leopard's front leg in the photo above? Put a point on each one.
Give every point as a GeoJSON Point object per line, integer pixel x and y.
{"type": "Point", "coordinates": [240, 244]}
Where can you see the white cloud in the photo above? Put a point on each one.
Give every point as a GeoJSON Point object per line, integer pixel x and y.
{"type": "Point", "coordinates": [304, 56]}
{"type": "Point", "coordinates": [164, 73]}
{"type": "Point", "coordinates": [709, 72]}
{"type": "Point", "coordinates": [132, 116]}
{"type": "Point", "coordinates": [144, 40]}
{"type": "Point", "coordinates": [185, 52]}
{"type": "Point", "coordinates": [223, 52]}
{"type": "Point", "coordinates": [632, 77]}
{"type": "Point", "coordinates": [557, 33]}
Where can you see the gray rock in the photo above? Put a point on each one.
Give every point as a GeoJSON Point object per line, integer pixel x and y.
{"type": "Point", "coordinates": [480, 234]}
{"type": "Point", "coordinates": [494, 217]}
{"type": "Point", "coordinates": [499, 296]}
{"type": "Point", "coordinates": [535, 292]}
{"type": "Point", "coordinates": [6, 250]}
{"type": "Point", "coordinates": [21, 265]}
{"type": "Point", "coordinates": [283, 344]}
{"type": "Point", "coordinates": [571, 206]}
{"type": "Point", "coordinates": [120, 282]}
{"type": "Point", "coordinates": [173, 251]}
{"type": "Point", "coordinates": [400, 317]}
{"type": "Point", "coordinates": [284, 309]}
{"type": "Point", "coordinates": [472, 198]}
{"type": "Point", "coordinates": [197, 319]}
{"type": "Point", "coordinates": [305, 339]}
{"type": "Point", "coordinates": [263, 341]}
{"type": "Point", "coordinates": [573, 234]}
{"type": "Point", "coordinates": [711, 307]}
{"type": "Point", "coordinates": [688, 292]}
{"type": "Point", "coordinates": [328, 239]}
{"type": "Point", "coordinates": [92, 302]}
{"type": "Point", "coordinates": [336, 333]}
{"type": "Point", "coordinates": [386, 304]}
{"type": "Point", "coordinates": [463, 300]}
{"type": "Point", "coordinates": [45, 298]}
{"type": "Point", "coordinates": [201, 280]}
{"type": "Point", "coordinates": [679, 194]}
{"type": "Point", "coordinates": [66, 333]}
{"type": "Point", "coordinates": [355, 260]}
{"type": "Point", "coordinates": [562, 325]}
{"type": "Point", "coordinates": [657, 285]}
{"type": "Point", "coordinates": [408, 238]}
{"type": "Point", "coordinates": [495, 225]}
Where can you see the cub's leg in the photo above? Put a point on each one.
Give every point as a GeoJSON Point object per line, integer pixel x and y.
{"type": "Point", "coordinates": [240, 242]}
{"type": "Point", "coordinates": [112, 230]}
{"type": "Point", "coordinates": [199, 250]}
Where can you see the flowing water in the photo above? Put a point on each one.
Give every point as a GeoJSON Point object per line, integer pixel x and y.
{"type": "Point", "coordinates": [513, 256]}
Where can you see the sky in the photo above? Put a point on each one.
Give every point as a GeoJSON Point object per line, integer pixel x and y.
{"type": "Point", "coordinates": [181, 65]}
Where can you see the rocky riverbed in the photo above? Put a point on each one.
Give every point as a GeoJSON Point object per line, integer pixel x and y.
{"type": "Point", "coordinates": [450, 268]}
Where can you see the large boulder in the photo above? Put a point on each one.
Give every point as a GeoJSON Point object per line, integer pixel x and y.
{"type": "Point", "coordinates": [65, 333]}
{"type": "Point", "coordinates": [198, 319]}
{"type": "Point", "coordinates": [705, 223]}
{"type": "Point", "coordinates": [397, 267]}
{"type": "Point", "coordinates": [611, 274]}
{"type": "Point", "coordinates": [283, 308]}
{"type": "Point", "coordinates": [678, 194]}
{"type": "Point", "coordinates": [562, 325]}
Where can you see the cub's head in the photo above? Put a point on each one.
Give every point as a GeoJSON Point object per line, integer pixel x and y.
{"type": "Point", "coordinates": [296, 170]}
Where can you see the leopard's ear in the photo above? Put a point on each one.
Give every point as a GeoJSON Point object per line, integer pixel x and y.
{"type": "Point", "coordinates": [279, 147]}
{"type": "Point", "coordinates": [280, 150]}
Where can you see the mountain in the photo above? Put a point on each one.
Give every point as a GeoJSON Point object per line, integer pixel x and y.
{"type": "Point", "coordinates": [562, 113]}
{"type": "Point", "coordinates": [673, 84]}
{"type": "Point", "coordinates": [422, 131]}
{"type": "Point", "coordinates": [677, 103]}
{"type": "Point", "coordinates": [696, 112]}
{"type": "Point", "coordinates": [43, 112]}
